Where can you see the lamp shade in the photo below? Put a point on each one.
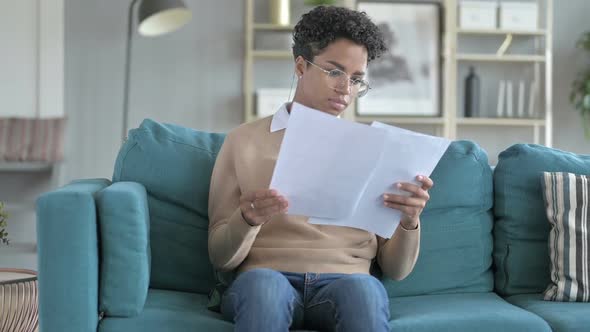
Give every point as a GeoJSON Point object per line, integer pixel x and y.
{"type": "Point", "coordinates": [158, 17]}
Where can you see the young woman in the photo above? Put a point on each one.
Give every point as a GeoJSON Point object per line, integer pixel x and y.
{"type": "Point", "coordinates": [290, 273]}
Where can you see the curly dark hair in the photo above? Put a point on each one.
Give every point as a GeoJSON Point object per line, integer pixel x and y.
{"type": "Point", "coordinates": [322, 25]}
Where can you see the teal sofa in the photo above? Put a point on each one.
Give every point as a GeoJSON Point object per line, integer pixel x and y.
{"type": "Point", "coordinates": [130, 254]}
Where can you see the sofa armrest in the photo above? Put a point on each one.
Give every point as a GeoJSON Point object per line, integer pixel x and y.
{"type": "Point", "coordinates": [68, 257]}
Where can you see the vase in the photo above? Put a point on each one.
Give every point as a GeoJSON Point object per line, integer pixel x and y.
{"type": "Point", "coordinates": [472, 87]}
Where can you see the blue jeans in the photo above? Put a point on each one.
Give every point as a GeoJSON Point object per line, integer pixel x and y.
{"type": "Point", "coordinates": [264, 300]}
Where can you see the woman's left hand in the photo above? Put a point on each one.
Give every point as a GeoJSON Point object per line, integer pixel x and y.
{"type": "Point", "coordinates": [410, 206]}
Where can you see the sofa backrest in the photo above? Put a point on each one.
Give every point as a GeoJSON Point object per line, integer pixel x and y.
{"type": "Point", "coordinates": [521, 228]}
{"type": "Point", "coordinates": [174, 164]}
{"type": "Point", "coordinates": [456, 244]}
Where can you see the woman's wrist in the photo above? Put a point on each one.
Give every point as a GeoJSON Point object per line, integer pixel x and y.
{"type": "Point", "coordinates": [246, 220]}
{"type": "Point", "coordinates": [409, 226]}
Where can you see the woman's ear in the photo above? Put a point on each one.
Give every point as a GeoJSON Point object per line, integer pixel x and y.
{"type": "Point", "coordinates": [300, 66]}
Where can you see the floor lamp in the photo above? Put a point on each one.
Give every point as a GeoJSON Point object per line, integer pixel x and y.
{"type": "Point", "coordinates": [155, 18]}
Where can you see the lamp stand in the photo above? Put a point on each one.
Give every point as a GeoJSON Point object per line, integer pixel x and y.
{"type": "Point", "coordinates": [127, 69]}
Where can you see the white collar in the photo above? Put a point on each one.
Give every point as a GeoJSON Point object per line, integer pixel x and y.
{"type": "Point", "coordinates": [280, 119]}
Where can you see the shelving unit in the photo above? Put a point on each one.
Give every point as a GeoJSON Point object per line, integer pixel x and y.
{"type": "Point", "coordinates": [540, 64]}
{"type": "Point", "coordinates": [450, 121]}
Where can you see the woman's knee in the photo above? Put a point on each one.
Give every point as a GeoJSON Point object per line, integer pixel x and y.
{"type": "Point", "coordinates": [365, 289]}
{"type": "Point", "coordinates": [262, 285]}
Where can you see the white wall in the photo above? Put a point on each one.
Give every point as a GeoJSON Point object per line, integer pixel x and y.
{"type": "Point", "coordinates": [18, 59]}
{"type": "Point", "coordinates": [31, 61]}
{"type": "Point", "coordinates": [31, 85]}
{"type": "Point", "coordinates": [571, 20]}
{"type": "Point", "coordinates": [190, 77]}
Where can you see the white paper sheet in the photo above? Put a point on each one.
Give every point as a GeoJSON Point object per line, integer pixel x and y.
{"type": "Point", "coordinates": [406, 155]}
{"type": "Point", "coordinates": [325, 163]}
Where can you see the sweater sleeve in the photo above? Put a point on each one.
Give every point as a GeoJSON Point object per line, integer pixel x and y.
{"type": "Point", "coordinates": [230, 236]}
{"type": "Point", "coordinates": [397, 255]}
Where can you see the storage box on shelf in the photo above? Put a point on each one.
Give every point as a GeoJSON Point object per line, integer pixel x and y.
{"type": "Point", "coordinates": [478, 15]}
{"type": "Point", "coordinates": [520, 16]}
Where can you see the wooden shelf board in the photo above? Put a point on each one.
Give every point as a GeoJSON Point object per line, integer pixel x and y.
{"type": "Point", "coordinates": [500, 58]}
{"type": "Point", "coordinates": [272, 27]}
{"type": "Point", "coordinates": [272, 54]}
{"type": "Point", "coordinates": [24, 166]}
{"type": "Point", "coordinates": [399, 119]}
{"type": "Point", "coordinates": [500, 122]}
{"type": "Point", "coordinates": [501, 32]}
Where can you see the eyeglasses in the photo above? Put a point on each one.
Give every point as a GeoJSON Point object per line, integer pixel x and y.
{"type": "Point", "coordinates": [338, 79]}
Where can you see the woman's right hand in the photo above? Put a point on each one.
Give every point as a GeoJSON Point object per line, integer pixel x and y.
{"type": "Point", "coordinates": [259, 206]}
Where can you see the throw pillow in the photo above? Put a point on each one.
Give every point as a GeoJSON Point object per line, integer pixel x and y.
{"type": "Point", "coordinates": [568, 212]}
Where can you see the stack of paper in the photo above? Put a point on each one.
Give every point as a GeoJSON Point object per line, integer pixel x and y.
{"type": "Point", "coordinates": [336, 172]}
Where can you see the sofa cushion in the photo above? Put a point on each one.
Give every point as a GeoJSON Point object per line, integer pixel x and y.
{"type": "Point", "coordinates": [169, 311]}
{"type": "Point", "coordinates": [174, 164]}
{"type": "Point", "coordinates": [561, 316]}
{"type": "Point", "coordinates": [456, 245]}
{"type": "Point", "coordinates": [461, 312]}
{"type": "Point", "coordinates": [568, 211]}
{"type": "Point", "coordinates": [124, 250]}
{"type": "Point", "coordinates": [181, 311]}
{"type": "Point", "coordinates": [521, 228]}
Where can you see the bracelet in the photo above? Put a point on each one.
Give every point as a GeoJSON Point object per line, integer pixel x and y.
{"type": "Point", "coordinates": [246, 220]}
{"type": "Point", "coordinates": [413, 229]}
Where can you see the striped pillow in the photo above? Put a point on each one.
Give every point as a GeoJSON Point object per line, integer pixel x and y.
{"type": "Point", "coordinates": [568, 211]}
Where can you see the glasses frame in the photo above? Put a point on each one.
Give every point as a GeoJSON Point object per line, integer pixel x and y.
{"type": "Point", "coordinates": [351, 81]}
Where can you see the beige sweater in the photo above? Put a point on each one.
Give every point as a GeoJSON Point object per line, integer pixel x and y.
{"type": "Point", "coordinates": [287, 242]}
